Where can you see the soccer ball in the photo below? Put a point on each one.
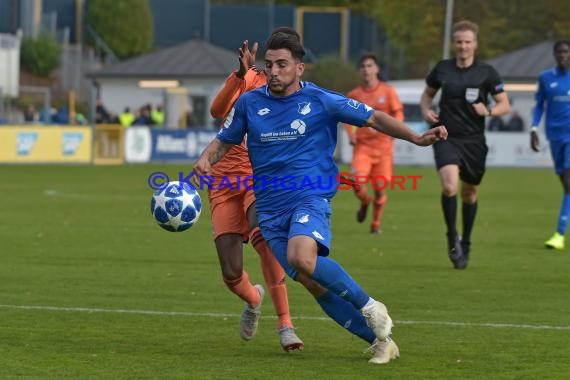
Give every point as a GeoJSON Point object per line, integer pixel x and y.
{"type": "Point", "coordinates": [176, 207]}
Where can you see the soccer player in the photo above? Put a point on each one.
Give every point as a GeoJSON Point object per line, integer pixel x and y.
{"type": "Point", "coordinates": [465, 84]}
{"type": "Point", "coordinates": [291, 136]}
{"type": "Point", "coordinates": [553, 90]}
{"type": "Point", "coordinates": [373, 150]}
{"type": "Point", "coordinates": [234, 222]}
{"type": "Point", "coordinates": [248, 78]}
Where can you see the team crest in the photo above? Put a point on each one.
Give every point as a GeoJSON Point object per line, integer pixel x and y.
{"type": "Point", "coordinates": [471, 95]}
{"type": "Point", "coordinates": [304, 108]}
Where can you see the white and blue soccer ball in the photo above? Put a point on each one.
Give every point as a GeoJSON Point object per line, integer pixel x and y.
{"type": "Point", "coordinates": [177, 207]}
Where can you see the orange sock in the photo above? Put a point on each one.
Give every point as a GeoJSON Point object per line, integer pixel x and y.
{"type": "Point", "coordinates": [274, 277]}
{"type": "Point", "coordinates": [379, 209]}
{"type": "Point", "coordinates": [244, 289]}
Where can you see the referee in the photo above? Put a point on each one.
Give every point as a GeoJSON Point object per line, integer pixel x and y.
{"type": "Point", "coordinates": [465, 84]}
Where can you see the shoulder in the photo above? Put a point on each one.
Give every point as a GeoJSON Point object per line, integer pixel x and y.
{"type": "Point", "coordinates": [311, 89]}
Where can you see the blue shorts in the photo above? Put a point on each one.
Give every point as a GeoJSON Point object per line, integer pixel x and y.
{"type": "Point", "coordinates": [560, 150]}
{"type": "Point", "coordinates": [310, 217]}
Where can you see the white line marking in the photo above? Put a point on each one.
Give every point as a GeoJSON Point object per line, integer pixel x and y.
{"type": "Point", "coordinates": [222, 315]}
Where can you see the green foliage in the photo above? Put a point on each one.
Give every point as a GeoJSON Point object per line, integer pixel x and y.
{"type": "Point", "coordinates": [40, 56]}
{"type": "Point", "coordinates": [126, 25]}
{"type": "Point", "coordinates": [331, 72]}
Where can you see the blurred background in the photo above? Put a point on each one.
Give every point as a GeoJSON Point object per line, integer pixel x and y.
{"type": "Point", "coordinates": [136, 78]}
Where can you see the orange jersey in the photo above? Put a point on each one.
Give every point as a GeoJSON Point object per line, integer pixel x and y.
{"type": "Point", "coordinates": [383, 98]}
{"type": "Point", "coordinates": [236, 161]}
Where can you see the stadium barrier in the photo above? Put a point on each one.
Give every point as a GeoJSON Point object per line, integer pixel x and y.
{"type": "Point", "coordinates": [45, 144]}
{"type": "Point", "coordinates": [506, 149]}
{"type": "Point", "coordinates": [109, 145]}
{"type": "Point", "coordinates": [143, 144]}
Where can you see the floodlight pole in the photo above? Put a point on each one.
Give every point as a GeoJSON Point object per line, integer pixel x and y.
{"type": "Point", "coordinates": [447, 32]}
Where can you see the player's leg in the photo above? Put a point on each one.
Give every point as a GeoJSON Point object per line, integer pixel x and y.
{"type": "Point", "coordinates": [274, 276]}
{"type": "Point", "coordinates": [340, 310]}
{"type": "Point", "coordinates": [307, 248]}
{"type": "Point", "coordinates": [447, 161]}
{"type": "Point", "coordinates": [361, 165]}
{"type": "Point", "coordinates": [561, 156]}
{"type": "Point", "coordinates": [227, 222]}
{"type": "Point", "coordinates": [474, 154]}
{"type": "Point", "coordinates": [381, 173]}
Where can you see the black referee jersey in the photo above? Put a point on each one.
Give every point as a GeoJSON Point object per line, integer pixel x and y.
{"type": "Point", "coordinates": [460, 88]}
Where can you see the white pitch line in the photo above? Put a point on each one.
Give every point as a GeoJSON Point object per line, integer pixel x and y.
{"type": "Point", "coordinates": [222, 315]}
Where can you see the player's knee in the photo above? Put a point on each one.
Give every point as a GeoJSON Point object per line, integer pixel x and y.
{"type": "Point", "coordinates": [302, 263]}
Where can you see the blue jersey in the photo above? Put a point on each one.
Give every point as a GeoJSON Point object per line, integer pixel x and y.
{"type": "Point", "coordinates": [554, 89]}
{"type": "Point", "coordinates": [291, 141]}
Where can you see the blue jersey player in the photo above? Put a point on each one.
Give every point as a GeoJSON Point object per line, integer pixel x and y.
{"type": "Point", "coordinates": [291, 129]}
{"type": "Point", "coordinates": [554, 92]}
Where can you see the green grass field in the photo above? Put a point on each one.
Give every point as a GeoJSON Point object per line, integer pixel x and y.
{"type": "Point", "coordinates": [92, 288]}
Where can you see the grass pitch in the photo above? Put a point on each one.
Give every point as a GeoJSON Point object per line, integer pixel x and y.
{"type": "Point", "coordinates": [92, 288]}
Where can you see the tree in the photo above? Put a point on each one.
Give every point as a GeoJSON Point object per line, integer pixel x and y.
{"type": "Point", "coordinates": [126, 26]}
{"type": "Point", "coordinates": [40, 56]}
{"type": "Point", "coordinates": [333, 73]}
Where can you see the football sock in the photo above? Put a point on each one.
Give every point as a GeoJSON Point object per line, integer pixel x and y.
{"type": "Point", "coordinates": [379, 208]}
{"type": "Point", "coordinates": [563, 216]}
{"type": "Point", "coordinates": [274, 276]}
{"type": "Point", "coordinates": [346, 315]}
{"type": "Point", "coordinates": [243, 289]}
{"type": "Point", "coordinates": [332, 276]}
{"type": "Point", "coordinates": [449, 206]}
{"type": "Point", "coordinates": [469, 211]}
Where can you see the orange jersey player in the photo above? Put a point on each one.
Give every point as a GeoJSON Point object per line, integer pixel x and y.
{"type": "Point", "coordinates": [373, 151]}
{"type": "Point", "coordinates": [234, 221]}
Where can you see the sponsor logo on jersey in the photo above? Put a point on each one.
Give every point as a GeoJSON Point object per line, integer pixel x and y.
{"type": "Point", "coordinates": [553, 84]}
{"type": "Point", "coordinates": [302, 218]}
{"type": "Point", "coordinates": [263, 111]}
{"type": "Point", "coordinates": [354, 103]}
{"type": "Point", "coordinates": [299, 125]}
{"type": "Point", "coordinates": [304, 108]}
{"type": "Point", "coordinates": [318, 235]}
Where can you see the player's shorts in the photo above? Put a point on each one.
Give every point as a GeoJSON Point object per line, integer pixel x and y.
{"type": "Point", "coordinates": [470, 154]}
{"type": "Point", "coordinates": [311, 217]}
{"type": "Point", "coordinates": [365, 162]}
{"type": "Point", "coordinates": [560, 151]}
{"type": "Point", "coordinates": [229, 211]}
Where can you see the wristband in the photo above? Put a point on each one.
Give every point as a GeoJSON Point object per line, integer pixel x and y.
{"type": "Point", "coordinates": [534, 128]}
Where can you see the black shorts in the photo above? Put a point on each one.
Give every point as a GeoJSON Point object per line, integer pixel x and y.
{"type": "Point", "coordinates": [469, 153]}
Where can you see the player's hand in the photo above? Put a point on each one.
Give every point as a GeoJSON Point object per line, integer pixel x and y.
{"type": "Point", "coordinates": [481, 109]}
{"type": "Point", "coordinates": [431, 136]}
{"type": "Point", "coordinates": [202, 168]}
{"type": "Point", "coordinates": [534, 141]}
{"type": "Point", "coordinates": [246, 58]}
{"type": "Point", "coordinates": [431, 117]}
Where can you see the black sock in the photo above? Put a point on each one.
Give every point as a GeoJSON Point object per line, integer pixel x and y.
{"type": "Point", "coordinates": [449, 205]}
{"type": "Point", "coordinates": [469, 211]}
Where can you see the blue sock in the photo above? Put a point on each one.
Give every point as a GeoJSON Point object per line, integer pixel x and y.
{"type": "Point", "coordinates": [332, 276]}
{"type": "Point", "coordinates": [563, 216]}
{"type": "Point", "coordinates": [346, 315]}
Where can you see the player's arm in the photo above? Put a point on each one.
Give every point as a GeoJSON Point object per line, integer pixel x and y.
{"type": "Point", "coordinates": [425, 104]}
{"type": "Point", "coordinates": [240, 81]}
{"type": "Point", "coordinates": [391, 126]}
{"type": "Point", "coordinates": [502, 105]}
{"type": "Point", "coordinates": [540, 98]}
{"type": "Point", "coordinates": [396, 106]}
{"type": "Point", "coordinates": [212, 154]}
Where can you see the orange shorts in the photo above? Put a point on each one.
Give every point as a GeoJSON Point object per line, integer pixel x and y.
{"type": "Point", "coordinates": [369, 162]}
{"type": "Point", "coordinates": [229, 211]}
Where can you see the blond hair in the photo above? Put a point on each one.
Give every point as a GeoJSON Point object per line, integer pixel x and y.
{"type": "Point", "coordinates": [463, 25]}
